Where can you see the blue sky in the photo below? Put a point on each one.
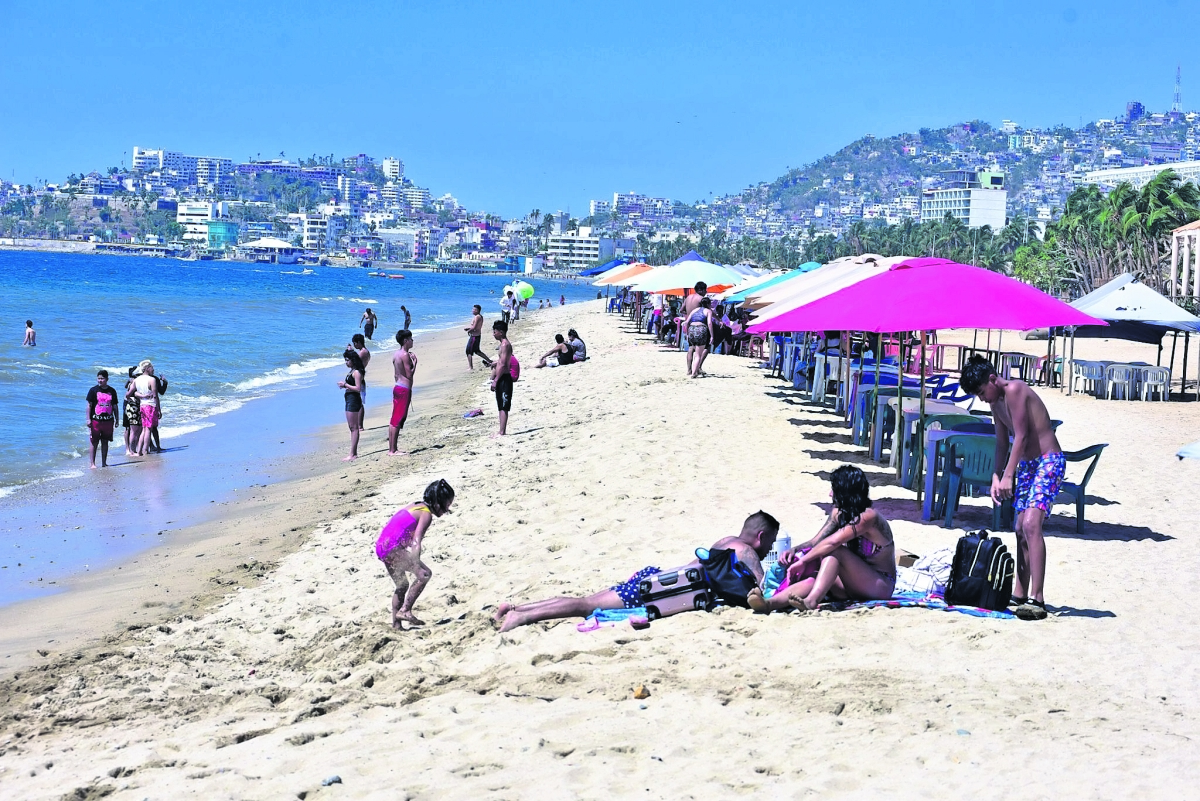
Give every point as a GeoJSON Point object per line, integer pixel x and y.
{"type": "Point", "coordinates": [515, 106]}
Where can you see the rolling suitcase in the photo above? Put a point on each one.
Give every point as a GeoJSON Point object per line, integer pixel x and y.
{"type": "Point", "coordinates": [682, 589]}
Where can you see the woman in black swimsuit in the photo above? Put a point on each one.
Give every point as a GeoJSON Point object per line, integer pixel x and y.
{"type": "Point", "coordinates": [852, 557]}
{"type": "Point", "coordinates": [354, 405]}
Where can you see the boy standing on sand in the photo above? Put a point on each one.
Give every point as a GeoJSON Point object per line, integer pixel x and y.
{"type": "Point", "coordinates": [752, 544]}
{"type": "Point", "coordinates": [1035, 463]}
{"type": "Point", "coordinates": [474, 332]}
{"type": "Point", "coordinates": [404, 365]}
{"type": "Point", "coordinates": [101, 417]}
{"type": "Point", "coordinates": [502, 380]}
{"type": "Point", "coordinates": [407, 318]}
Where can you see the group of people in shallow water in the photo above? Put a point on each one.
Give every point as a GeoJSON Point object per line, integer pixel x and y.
{"type": "Point", "coordinates": [140, 410]}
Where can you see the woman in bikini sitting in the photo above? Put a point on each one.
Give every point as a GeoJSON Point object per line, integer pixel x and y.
{"type": "Point", "coordinates": [853, 556]}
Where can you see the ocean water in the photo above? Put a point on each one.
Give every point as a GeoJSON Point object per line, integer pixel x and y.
{"type": "Point", "coordinates": [223, 334]}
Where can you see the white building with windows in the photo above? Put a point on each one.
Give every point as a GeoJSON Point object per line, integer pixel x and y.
{"type": "Point", "coordinates": [1140, 176]}
{"type": "Point", "coordinates": [974, 197]}
{"type": "Point", "coordinates": [393, 169]}
{"type": "Point", "coordinates": [194, 218]}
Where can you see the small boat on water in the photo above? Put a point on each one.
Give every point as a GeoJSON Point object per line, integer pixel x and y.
{"type": "Point", "coordinates": [394, 275]}
{"type": "Point", "coordinates": [382, 274]}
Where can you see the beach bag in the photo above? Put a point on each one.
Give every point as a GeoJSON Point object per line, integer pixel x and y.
{"type": "Point", "coordinates": [514, 368]}
{"type": "Point", "coordinates": [729, 580]}
{"type": "Point", "coordinates": [981, 574]}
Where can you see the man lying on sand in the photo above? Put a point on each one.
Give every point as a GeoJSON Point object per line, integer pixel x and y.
{"type": "Point", "coordinates": [751, 545]}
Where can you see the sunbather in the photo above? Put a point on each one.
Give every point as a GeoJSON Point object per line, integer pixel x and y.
{"type": "Point", "coordinates": [751, 545]}
{"type": "Point", "coordinates": [854, 553]}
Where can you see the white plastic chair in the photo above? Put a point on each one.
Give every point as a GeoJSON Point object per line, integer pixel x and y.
{"type": "Point", "coordinates": [1090, 374]}
{"type": "Point", "coordinates": [1120, 377]}
{"type": "Point", "coordinates": [1153, 378]}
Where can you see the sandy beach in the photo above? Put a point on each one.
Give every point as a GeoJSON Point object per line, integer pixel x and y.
{"type": "Point", "coordinates": [242, 663]}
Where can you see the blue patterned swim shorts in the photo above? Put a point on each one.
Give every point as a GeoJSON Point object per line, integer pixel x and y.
{"type": "Point", "coordinates": [1038, 482]}
{"type": "Point", "coordinates": [629, 590]}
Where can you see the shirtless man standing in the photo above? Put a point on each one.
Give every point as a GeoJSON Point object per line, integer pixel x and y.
{"type": "Point", "coordinates": [474, 332]}
{"type": "Point", "coordinates": [1036, 464]}
{"type": "Point", "coordinates": [502, 379]}
{"type": "Point", "coordinates": [404, 365]}
{"type": "Point", "coordinates": [751, 545]}
{"type": "Point", "coordinates": [360, 347]}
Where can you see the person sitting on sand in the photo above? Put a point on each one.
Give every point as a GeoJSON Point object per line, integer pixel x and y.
{"type": "Point", "coordinates": [577, 345]}
{"type": "Point", "coordinates": [751, 545]}
{"type": "Point", "coordinates": [852, 557]}
{"type": "Point", "coordinates": [399, 548]}
{"type": "Point", "coordinates": [563, 353]}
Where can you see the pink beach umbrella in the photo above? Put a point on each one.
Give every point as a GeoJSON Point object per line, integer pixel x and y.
{"type": "Point", "coordinates": [927, 294]}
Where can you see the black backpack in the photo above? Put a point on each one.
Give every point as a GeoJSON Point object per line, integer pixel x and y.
{"type": "Point", "coordinates": [729, 580]}
{"type": "Point", "coordinates": [982, 573]}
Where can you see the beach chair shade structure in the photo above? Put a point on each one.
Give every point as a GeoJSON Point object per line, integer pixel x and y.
{"type": "Point", "coordinates": [1134, 311]}
{"type": "Point", "coordinates": [622, 275]}
{"type": "Point", "coordinates": [977, 455]}
{"type": "Point", "coordinates": [1078, 492]}
{"type": "Point", "coordinates": [679, 278]}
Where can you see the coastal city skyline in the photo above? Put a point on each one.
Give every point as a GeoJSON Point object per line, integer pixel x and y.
{"type": "Point", "coordinates": [584, 117]}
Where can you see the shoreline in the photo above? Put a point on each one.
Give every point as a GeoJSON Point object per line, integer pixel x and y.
{"type": "Point", "coordinates": [103, 602]}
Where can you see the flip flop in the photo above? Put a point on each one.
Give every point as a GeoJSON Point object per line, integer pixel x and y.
{"type": "Point", "coordinates": [1031, 610]}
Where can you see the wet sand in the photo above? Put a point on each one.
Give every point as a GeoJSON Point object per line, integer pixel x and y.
{"type": "Point", "coordinates": [267, 691]}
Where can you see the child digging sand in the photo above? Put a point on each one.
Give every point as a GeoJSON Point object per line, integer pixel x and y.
{"type": "Point", "coordinates": [399, 548]}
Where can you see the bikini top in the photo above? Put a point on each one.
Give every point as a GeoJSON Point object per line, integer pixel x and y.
{"type": "Point", "coordinates": [692, 318]}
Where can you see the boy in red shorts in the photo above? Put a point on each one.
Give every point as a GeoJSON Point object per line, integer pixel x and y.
{"type": "Point", "coordinates": [1035, 464]}
{"type": "Point", "coordinates": [101, 417]}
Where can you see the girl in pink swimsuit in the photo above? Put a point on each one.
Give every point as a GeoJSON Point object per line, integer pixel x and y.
{"type": "Point", "coordinates": [399, 548]}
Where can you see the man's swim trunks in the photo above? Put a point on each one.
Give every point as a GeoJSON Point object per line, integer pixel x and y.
{"type": "Point", "coordinates": [149, 414]}
{"type": "Point", "coordinates": [629, 590]}
{"type": "Point", "coordinates": [697, 334]}
{"type": "Point", "coordinates": [504, 390]}
{"type": "Point", "coordinates": [472, 345]}
{"type": "Point", "coordinates": [1038, 482]}
{"type": "Point", "coordinates": [401, 395]}
{"type": "Point", "coordinates": [101, 430]}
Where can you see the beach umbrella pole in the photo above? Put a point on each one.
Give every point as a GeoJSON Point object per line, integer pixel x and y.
{"type": "Point", "coordinates": [920, 454]}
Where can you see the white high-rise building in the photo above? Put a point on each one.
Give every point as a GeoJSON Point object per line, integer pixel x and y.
{"type": "Point", "coordinates": [393, 169]}
{"type": "Point", "coordinates": [974, 197]}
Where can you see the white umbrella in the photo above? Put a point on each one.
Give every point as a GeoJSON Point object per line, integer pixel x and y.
{"type": "Point", "coordinates": [684, 276]}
